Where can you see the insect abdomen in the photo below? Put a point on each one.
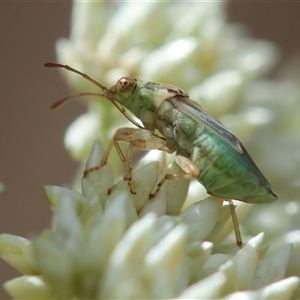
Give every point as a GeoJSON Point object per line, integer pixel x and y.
{"type": "Point", "coordinates": [226, 173]}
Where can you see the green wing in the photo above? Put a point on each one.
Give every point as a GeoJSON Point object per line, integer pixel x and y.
{"type": "Point", "coordinates": [199, 114]}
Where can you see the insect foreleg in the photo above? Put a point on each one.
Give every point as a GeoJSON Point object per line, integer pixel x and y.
{"type": "Point", "coordinates": [122, 134]}
{"type": "Point", "coordinates": [190, 169]}
{"type": "Point", "coordinates": [137, 138]}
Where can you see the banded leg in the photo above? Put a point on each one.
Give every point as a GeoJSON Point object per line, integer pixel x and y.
{"type": "Point", "coordinates": [190, 169]}
{"type": "Point", "coordinates": [137, 138]}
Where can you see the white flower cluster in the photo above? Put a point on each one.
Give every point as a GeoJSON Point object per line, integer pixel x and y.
{"type": "Point", "coordinates": [195, 48]}
{"type": "Point", "coordinates": [125, 246]}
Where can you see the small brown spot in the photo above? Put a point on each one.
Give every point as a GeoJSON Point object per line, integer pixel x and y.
{"type": "Point", "coordinates": [170, 90]}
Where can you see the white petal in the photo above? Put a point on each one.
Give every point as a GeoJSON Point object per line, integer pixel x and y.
{"type": "Point", "coordinates": [98, 182]}
{"type": "Point", "coordinates": [176, 190]}
{"type": "Point", "coordinates": [201, 217]}
{"type": "Point", "coordinates": [229, 269]}
{"type": "Point", "coordinates": [105, 232]}
{"type": "Point", "coordinates": [246, 260]}
{"type": "Point", "coordinates": [163, 226]}
{"type": "Point", "coordinates": [165, 265]}
{"type": "Point", "coordinates": [294, 264]}
{"type": "Point", "coordinates": [117, 39]}
{"type": "Point", "coordinates": [86, 16]}
{"type": "Point", "coordinates": [29, 287]}
{"type": "Point", "coordinates": [198, 255]}
{"type": "Point", "coordinates": [171, 196]}
{"type": "Point", "coordinates": [272, 268]}
{"type": "Point", "coordinates": [210, 287]}
{"type": "Point", "coordinates": [127, 258]}
{"type": "Point", "coordinates": [283, 289]}
{"type": "Point", "coordinates": [153, 156]}
{"type": "Point", "coordinates": [163, 64]}
{"type": "Point", "coordinates": [120, 199]}
{"type": "Point", "coordinates": [223, 218]}
{"type": "Point", "coordinates": [67, 227]}
{"type": "Point", "coordinates": [294, 237]}
{"type": "Point", "coordinates": [196, 192]}
{"type": "Point", "coordinates": [157, 205]}
{"type": "Point", "coordinates": [18, 252]}
{"type": "Point", "coordinates": [91, 187]}
{"type": "Point", "coordinates": [96, 155]}
{"type": "Point", "coordinates": [57, 264]}
{"type": "Point", "coordinates": [213, 264]}
{"type": "Point", "coordinates": [196, 16]}
{"type": "Point", "coordinates": [56, 195]}
{"type": "Point", "coordinates": [143, 182]}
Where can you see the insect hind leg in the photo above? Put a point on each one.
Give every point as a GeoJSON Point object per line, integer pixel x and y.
{"type": "Point", "coordinates": [235, 222]}
{"type": "Point", "coordinates": [190, 169]}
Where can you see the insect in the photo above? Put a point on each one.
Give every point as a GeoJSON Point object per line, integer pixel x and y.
{"type": "Point", "coordinates": [172, 122]}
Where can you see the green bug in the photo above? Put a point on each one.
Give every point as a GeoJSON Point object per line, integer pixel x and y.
{"type": "Point", "coordinates": [205, 148]}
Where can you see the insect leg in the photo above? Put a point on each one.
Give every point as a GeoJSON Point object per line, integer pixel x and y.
{"type": "Point", "coordinates": [105, 157]}
{"type": "Point", "coordinates": [122, 134]}
{"type": "Point", "coordinates": [190, 169]}
{"type": "Point", "coordinates": [143, 140]}
{"type": "Point", "coordinates": [235, 222]}
{"type": "Point", "coordinates": [137, 138]}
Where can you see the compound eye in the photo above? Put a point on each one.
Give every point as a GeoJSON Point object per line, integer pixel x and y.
{"type": "Point", "coordinates": [126, 84]}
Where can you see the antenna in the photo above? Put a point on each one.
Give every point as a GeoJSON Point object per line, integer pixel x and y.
{"type": "Point", "coordinates": [106, 92]}
{"type": "Point", "coordinates": [55, 65]}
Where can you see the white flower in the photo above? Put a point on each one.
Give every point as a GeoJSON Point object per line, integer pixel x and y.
{"type": "Point", "coordinates": [218, 64]}
{"type": "Point", "coordinates": [128, 246]}
{"type": "Point", "coordinates": [106, 247]}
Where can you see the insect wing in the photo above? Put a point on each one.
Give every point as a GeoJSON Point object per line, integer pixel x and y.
{"type": "Point", "coordinates": [199, 114]}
